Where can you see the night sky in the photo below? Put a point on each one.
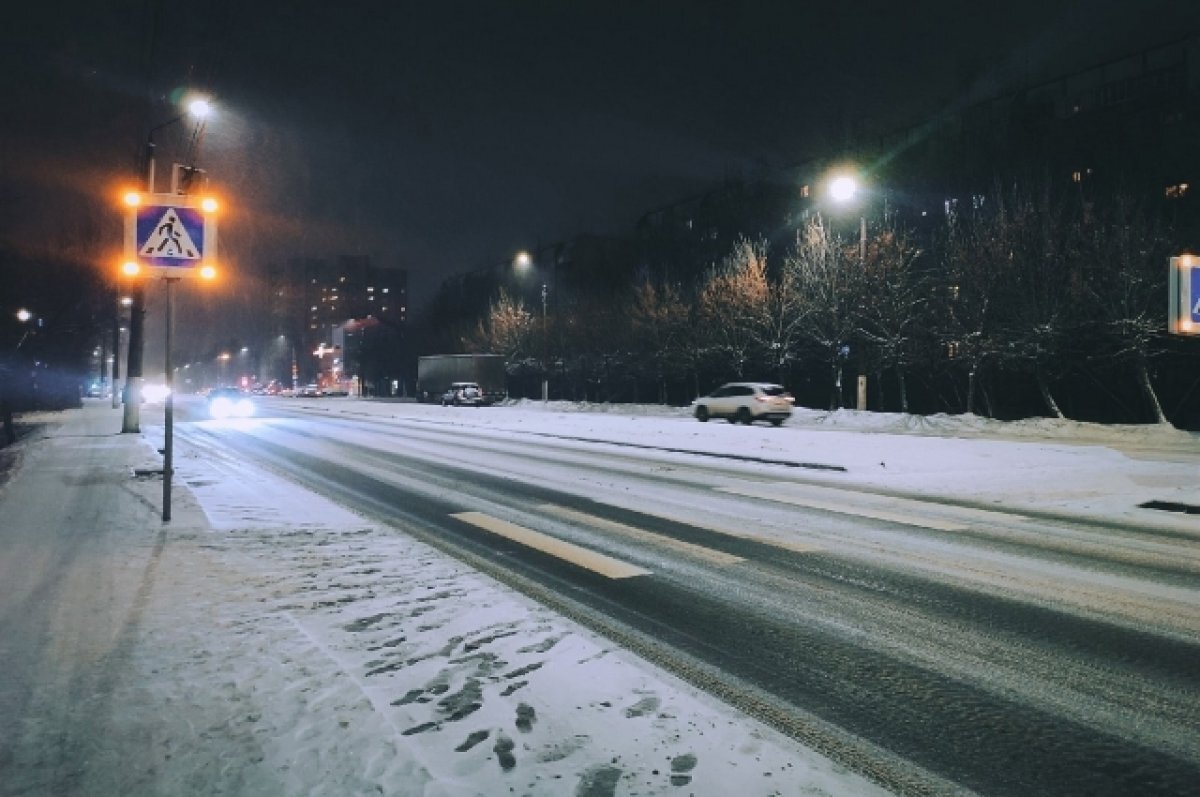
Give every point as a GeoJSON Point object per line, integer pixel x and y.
{"type": "Point", "coordinates": [444, 136]}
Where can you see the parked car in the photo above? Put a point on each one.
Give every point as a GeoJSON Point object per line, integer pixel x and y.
{"type": "Point", "coordinates": [463, 394]}
{"type": "Point", "coordinates": [310, 391]}
{"type": "Point", "coordinates": [745, 402]}
{"type": "Point", "coordinates": [229, 402]}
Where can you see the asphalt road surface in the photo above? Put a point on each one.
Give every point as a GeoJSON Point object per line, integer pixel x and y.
{"type": "Point", "coordinates": [929, 645]}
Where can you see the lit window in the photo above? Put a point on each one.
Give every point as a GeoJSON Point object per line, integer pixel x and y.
{"type": "Point", "coordinates": [952, 349]}
{"type": "Point", "coordinates": [1077, 177]}
{"type": "Point", "coordinates": [370, 289]}
{"type": "Point", "coordinates": [1177, 191]}
{"type": "Point", "coordinates": [804, 191]}
{"type": "Point", "coordinates": [385, 290]}
{"type": "Point", "coordinates": [370, 298]}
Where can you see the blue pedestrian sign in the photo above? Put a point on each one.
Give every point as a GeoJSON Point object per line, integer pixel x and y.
{"type": "Point", "coordinates": [170, 235]}
{"type": "Point", "coordinates": [1194, 299]}
{"type": "Point", "coordinates": [1183, 300]}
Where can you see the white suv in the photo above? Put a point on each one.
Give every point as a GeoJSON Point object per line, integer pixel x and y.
{"type": "Point", "coordinates": [746, 402]}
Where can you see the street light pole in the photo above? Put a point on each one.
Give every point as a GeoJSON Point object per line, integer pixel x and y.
{"type": "Point", "coordinates": [131, 422]}
{"type": "Point", "coordinates": [545, 348]}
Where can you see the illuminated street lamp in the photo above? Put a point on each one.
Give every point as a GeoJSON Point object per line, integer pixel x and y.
{"type": "Point", "coordinates": [522, 263]}
{"type": "Point", "coordinates": [24, 315]}
{"type": "Point", "coordinates": [843, 188]}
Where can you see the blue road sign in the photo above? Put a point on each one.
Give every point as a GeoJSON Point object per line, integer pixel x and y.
{"type": "Point", "coordinates": [1194, 303]}
{"type": "Point", "coordinates": [170, 235]}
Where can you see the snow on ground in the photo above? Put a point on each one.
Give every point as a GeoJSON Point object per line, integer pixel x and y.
{"type": "Point", "coordinates": [288, 646]}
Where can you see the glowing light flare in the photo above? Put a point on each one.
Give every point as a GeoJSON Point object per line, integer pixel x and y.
{"type": "Point", "coordinates": [1186, 261]}
{"type": "Point", "coordinates": [209, 205]}
{"type": "Point", "coordinates": [132, 199]}
{"type": "Point", "coordinates": [208, 272]}
{"type": "Point", "coordinates": [155, 393]}
{"type": "Point", "coordinates": [200, 108]}
{"type": "Point", "coordinates": [130, 268]}
{"type": "Point", "coordinates": [843, 189]}
{"type": "Point", "coordinates": [24, 315]}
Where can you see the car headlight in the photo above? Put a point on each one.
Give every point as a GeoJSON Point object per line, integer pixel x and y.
{"type": "Point", "coordinates": [222, 407]}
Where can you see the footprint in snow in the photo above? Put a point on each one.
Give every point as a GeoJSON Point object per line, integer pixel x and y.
{"type": "Point", "coordinates": [647, 705]}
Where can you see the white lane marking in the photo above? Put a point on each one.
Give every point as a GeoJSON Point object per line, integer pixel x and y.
{"type": "Point", "coordinates": [568, 552]}
{"type": "Point", "coordinates": [771, 492]}
{"type": "Point", "coordinates": [689, 549]}
{"type": "Point", "coordinates": [726, 531]}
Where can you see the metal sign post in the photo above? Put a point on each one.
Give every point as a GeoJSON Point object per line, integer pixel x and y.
{"type": "Point", "coordinates": [172, 237]}
{"type": "Point", "coordinates": [169, 412]}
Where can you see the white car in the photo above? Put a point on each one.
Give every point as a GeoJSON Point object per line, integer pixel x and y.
{"type": "Point", "coordinates": [745, 402]}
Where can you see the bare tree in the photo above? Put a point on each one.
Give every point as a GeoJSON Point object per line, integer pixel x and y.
{"type": "Point", "coordinates": [827, 277]}
{"type": "Point", "coordinates": [1039, 285]}
{"type": "Point", "coordinates": [731, 306]}
{"type": "Point", "coordinates": [891, 314]}
{"type": "Point", "coordinates": [661, 333]}
{"type": "Point", "coordinates": [976, 258]}
{"type": "Point", "coordinates": [509, 329]}
{"type": "Point", "coordinates": [1128, 251]}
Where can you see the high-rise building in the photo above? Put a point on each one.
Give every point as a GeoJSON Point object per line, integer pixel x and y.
{"type": "Point", "coordinates": [313, 300]}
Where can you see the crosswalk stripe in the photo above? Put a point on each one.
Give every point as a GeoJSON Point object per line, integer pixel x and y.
{"type": "Point", "coordinates": [689, 549]}
{"type": "Point", "coordinates": [568, 552]}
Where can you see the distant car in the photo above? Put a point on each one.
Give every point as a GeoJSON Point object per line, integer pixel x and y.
{"type": "Point", "coordinates": [463, 394]}
{"type": "Point", "coordinates": [745, 402]}
{"type": "Point", "coordinates": [310, 391]}
{"type": "Point", "coordinates": [229, 402]}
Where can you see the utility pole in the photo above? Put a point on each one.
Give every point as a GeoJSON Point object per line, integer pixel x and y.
{"type": "Point", "coordinates": [131, 423]}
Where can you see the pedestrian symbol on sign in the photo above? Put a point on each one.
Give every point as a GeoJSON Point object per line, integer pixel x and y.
{"type": "Point", "coordinates": [170, 239]}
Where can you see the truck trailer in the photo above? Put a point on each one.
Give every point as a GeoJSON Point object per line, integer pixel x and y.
{"type": "Point", "coordinates": [436, 372]}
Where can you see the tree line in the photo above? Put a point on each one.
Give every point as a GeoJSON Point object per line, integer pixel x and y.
{"type": "Point", "coordinates": [1015, 294]}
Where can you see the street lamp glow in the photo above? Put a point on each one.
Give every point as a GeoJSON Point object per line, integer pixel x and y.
{"type": "Point", "coordinates": [843, 189]}
{"type": "Point", "coordinates": [132, 199]}
{"type": "Point", "coordinates": [130, 268]}
{"type": "Point", "coordinates": [208, 205]}
{"type": "Point", "coordinates": [200, 108]}
{"type": "Point", "coordinates": [208, 272]}
{"type": "Point", "coordinates": [24, 315]}
{"type": "Point", "coordinates": [523, 260]}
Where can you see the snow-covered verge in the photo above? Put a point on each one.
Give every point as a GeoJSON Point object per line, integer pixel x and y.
{"type": "Point", "coordinates": [1046, 465]}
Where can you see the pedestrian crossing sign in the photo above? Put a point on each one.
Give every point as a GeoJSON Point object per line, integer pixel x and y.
{"type": "Point", "coordinates": [1183, 301]}
{"type": "Point", "coordinates": [171, 235]}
